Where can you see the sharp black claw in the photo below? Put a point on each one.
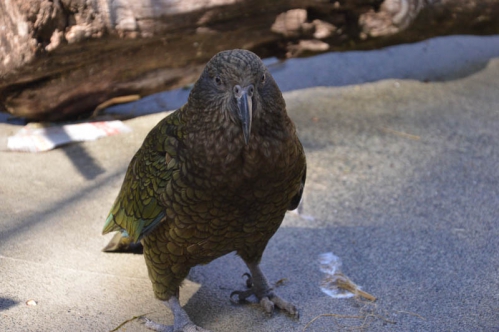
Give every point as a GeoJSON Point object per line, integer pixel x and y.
{"type": "Point", "coordinates": [249, 281]}
{"type": "Point", "coordinates": [242, 295]}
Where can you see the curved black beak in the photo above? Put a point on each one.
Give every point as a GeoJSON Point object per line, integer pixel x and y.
{"type": "Point", "coordinates": [244, 97]}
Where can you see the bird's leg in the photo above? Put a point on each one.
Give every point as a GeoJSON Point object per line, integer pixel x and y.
{"type": "Point", "coordinates": [260, 287]}
{"type": "Point", "coordinates": [181, 321]}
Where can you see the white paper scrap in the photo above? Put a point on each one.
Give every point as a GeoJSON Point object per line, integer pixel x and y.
{"type": "Point", "coordinates": [330, 264]}
{"type": "Point", "coordinates": [36, 139]}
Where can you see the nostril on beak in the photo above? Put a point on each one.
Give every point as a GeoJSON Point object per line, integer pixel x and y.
{"type": "Point", "coordinates": [237, 90]}
{"type": "Point", "coordinates": [251, 90]}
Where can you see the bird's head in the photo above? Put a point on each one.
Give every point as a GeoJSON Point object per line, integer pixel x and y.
{"type": "Point", "coordinates": [237, 84]}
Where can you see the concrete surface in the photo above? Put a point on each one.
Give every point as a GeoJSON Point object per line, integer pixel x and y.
{"type": "Point", "coordinates": [403, 186]}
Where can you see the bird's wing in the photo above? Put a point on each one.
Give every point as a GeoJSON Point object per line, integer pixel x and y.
{"type": "Point", "coordinates": [138, 209]}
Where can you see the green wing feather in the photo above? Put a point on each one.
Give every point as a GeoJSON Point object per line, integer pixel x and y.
{"type": "Point", "coordinates": [138, 209]}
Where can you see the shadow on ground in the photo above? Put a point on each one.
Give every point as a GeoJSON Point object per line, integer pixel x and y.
{"type": "Point", "coordinates": [6, 303]}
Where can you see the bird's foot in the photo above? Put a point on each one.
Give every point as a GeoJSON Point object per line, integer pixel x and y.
{"type": "Point", "coordinates": [181, 321]}
{"type": "Point", "coordinates": [189, 327]}
{"type": "Point", "coordinates": [267, 298]}
{"type": "Point", "coordinates": [151, 325]}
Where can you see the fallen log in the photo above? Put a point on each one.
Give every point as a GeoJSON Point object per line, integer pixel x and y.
{"type": "Point", "coordinates": [60, 59]}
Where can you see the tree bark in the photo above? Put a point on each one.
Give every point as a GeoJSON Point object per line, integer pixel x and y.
{"type": "Point", "coordinates": [61, 58]}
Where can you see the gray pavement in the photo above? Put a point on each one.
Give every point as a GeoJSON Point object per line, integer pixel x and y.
{"type": "Point", "coordinates": [403, 186]}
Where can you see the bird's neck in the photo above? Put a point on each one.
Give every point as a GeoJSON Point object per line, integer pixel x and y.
{"type": "Point", "coordinates": [218, 147]}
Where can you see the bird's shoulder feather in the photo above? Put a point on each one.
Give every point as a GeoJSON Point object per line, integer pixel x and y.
{"type": "Point", "coordinates": [138, 209]}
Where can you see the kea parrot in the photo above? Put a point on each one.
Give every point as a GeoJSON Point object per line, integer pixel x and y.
{"type": "Point", "coordinates": [214, 177]}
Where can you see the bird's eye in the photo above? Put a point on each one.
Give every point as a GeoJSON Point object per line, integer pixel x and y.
{"type": "Point", "coordinates": [218, 80]}
{"type": "Point", "coordinates": [263, 79]}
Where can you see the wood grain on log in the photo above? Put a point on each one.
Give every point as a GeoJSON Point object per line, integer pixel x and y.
{"type": "Point", "coordinates": [62, 58]}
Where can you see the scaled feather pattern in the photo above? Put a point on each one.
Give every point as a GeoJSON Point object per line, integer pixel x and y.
{"type": "Point", "coordinates": [214, 177]}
